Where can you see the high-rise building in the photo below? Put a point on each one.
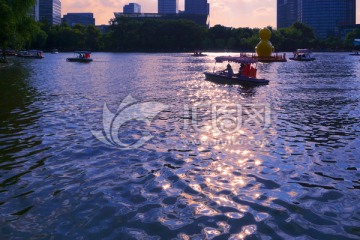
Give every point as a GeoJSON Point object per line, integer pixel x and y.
{"type": "Point", "coordinates": [34, 11]}
{"type": "Point", "coordinates": [132, 8]}
{"type": "Point", "coordinates": [195, 10]}
{"type": "Point", "coordinates": [50, 10]}
{"type": "Point", "coordinates": [84, 19]}
{"type": "Point", "coordinates": [326, 17]}
{"type": "Point", "coordinates": [168, 6]}
{"type": "Point", "coordinates": [197, 7]}
{"type": "Point", "coordinates": [287, 13]}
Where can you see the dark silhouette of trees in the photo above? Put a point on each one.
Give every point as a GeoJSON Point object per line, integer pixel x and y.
{"type": "Point", "coordinates": [153, 35]}
{"type": "Point", "coordinates": [17, 27]}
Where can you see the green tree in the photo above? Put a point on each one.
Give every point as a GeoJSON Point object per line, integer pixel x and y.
{"type": "Point", "coordinates": [333, 43]}
{"type": "Point", "coordinates": [93, 38]}
{"type": "Point", "coordinates": [306, 31]}
{"type": "Point", "coordinates": [70, 39]}
{"type": "Point", "coordinates": [15, 23]}
{"type": "Point", "coordinates": [39, 39]}
{"type": "Point", "coordinates": [154, 35]}
{"type": "Point", "coordinates": [351, 36]}
{"type": "Point", "coordinates": [296, 36]}
{"type": "Point", "coordinates": [26, 32]}
{"type": "Point", "coordinates": [277, 39]}
{"type": "Point", "coordinates": [7, 25]}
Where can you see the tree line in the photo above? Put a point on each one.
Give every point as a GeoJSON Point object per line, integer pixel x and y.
{"type": "Point", "coordinates": [19, 31]}
{"type": "Point", "coordinates": [126, 35]}
{"type": "Point", "coordinates": [17, 28]}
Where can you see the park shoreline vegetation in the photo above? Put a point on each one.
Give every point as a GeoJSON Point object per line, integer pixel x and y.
{"type": "Point", "coordinates": [126, 35]}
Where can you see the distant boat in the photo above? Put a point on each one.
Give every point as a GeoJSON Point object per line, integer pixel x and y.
{"type": "Point", "coordinates": [356, 43]}
{"type": "Point", "coordinates": [303, 55]}
{"type": "Point", "coordinates": [82, 56]}
{"type": "Point", "coordinates": [247, 76]}
{"type": "Point", "coordinates": [198, 54]}
{"type": "Point", "coordinates": [54, 51]}
{"type": "Point", "coordinates": [31, 54]}
{"type": "Point", "coordinates": [9, 53]}
{"type": "Point", "coordinates": [273, 58]}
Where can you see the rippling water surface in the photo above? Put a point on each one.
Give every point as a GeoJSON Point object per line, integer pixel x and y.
{"type": "Point", "coordinates": [287, 167]}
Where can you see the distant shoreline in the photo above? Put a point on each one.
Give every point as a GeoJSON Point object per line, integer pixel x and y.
{"type": "Point", "coordinates": [205, 51]}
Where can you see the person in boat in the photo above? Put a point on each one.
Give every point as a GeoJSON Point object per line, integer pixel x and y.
{"type": "Point", "coordinates": [229, 70]}
{"type": "Point", "coordinates": [246, 70]}
{"type": "Point", "coordinates": [241, 69]}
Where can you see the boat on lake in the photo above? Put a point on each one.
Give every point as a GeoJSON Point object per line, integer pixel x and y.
{"type": "Point", "coordinates": [355, 53]}
{"type": "Point", "coordinates": [246, 76]}
{"type": "Point", "coordinates": [36, 54]}
{"type": "Point", "coordinates": [276, 57]}
{"type": "Point", "coordinates": [198, 54]}
{"type": "Point", "coordinates": [9, 52]}
{"type": "Point", "coordinates": [356, 43]}
{"type": "Point", "coordinates": [303, 55]}
{"type": "Point", "coordinates": [81, 56]}
{"type": "Point", "coordinates": [54, 51]}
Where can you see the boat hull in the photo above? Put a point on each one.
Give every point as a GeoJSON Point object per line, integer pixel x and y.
{"type": "Point", "coordinates": [199, 55]}
{"type": "Point", "coordinates": [31, 57]}
{"type": "Point", "coordinates": [270, 59]}
{"type": "Point", "coordinates": [242, 80]}
{"type": "Point", "coordinates": [84, 60]}
{"type": "Point", "coordinates": [303, 60]}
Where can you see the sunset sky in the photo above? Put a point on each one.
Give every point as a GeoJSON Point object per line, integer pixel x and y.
{"type": "Point", "coordinates": [231, 13]}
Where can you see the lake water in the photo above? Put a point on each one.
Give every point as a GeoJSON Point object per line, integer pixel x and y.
{"type": "Point", "coordinates": [198, 161]}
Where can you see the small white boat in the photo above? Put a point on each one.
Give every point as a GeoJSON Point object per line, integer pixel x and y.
{"type": "Point", "coordinates": [302, 55]}
{"type": "Point", "coordinates": [246, 75]}
{"type": "Point", "coordinates": [54, 51]}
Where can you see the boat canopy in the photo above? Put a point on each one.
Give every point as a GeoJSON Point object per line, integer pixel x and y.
{"type": "Point", "coordinates": [35, 51]}
{"type": "Point", "coordinates": [356, 42]}
{"type": "Point", "coordinates": [82, 52]}
{"type": "Point", "coordinates": [299, 51]}
{"type": "Point", "coordinates": [245, 60]}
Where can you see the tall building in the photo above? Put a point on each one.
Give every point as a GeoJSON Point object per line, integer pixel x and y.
{"type": "Point", "coordinates": [168, 6]}
{"type": "Point", "coordinates": [34, 11]}
{"type": "Point", "coordinates": [132, 8]}
{"type": "Point", "coordinates": [287, 13]}
{"type": "Point", "coordinates": [197, 7]}
{"type": "Point", "coordinates": [84, 19]}
{"type": "Point", "coordinates": [195, 10]}
{"type": "Point", "coordinates": [326, 17]}
{"type": "Point", "coordinates": [50, 10]}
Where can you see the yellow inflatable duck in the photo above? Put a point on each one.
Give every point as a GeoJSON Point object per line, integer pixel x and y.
{"type": "Point", "coordinates": [264, 48]}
